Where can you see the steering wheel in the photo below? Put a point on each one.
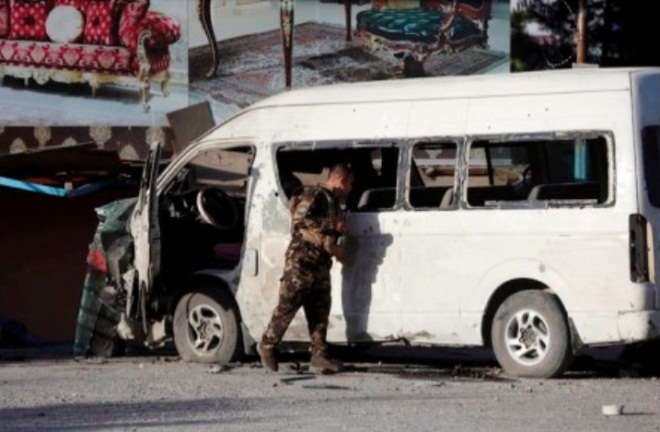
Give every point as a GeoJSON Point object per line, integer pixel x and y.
{"type": "Point", "coordinates": [216, 208]}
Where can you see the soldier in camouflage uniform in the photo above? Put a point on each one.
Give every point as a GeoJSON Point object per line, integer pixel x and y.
{"type": "Point", "coordinates": [317, 223]}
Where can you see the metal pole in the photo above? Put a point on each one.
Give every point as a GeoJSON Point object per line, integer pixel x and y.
{"type": "Point", "coordinates": [582, 32]}
{"type": "Point", "coordinates": [286, 25]}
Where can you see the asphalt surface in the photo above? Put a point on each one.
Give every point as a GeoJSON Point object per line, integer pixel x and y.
{"type": "Point", "coordinates": [387, 389]}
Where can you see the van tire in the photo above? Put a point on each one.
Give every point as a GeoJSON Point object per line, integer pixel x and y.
{"type": "Point", "coordinates": [538, 317]}
{"type": "Point", "coordinates": [206, 327]}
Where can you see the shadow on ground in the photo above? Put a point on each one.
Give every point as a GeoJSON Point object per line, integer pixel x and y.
{"type": "Point", "coordinates": [631, 361]}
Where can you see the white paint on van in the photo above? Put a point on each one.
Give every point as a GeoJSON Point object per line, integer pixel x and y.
{"type": "Point", "coordinates": [429, 276]}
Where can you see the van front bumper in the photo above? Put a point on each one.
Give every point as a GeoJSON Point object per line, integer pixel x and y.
{"type": "Point", "coordinates": [639, 326]}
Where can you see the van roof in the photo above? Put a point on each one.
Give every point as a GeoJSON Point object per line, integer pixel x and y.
{"type": "Point", "coordinates": [577, 80]}
{"type": "Point", "coordinates": [554, 81]}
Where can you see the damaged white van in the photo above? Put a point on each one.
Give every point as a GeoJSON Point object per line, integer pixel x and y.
{"type": "Point", "coordinates": [518, 211]}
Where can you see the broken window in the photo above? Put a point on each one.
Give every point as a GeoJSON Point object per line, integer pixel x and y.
{"type": "Point", "coordinates": [202, 212]}
{"type": "Point", "coordinates": [546, 171]}
{"type": "Point", "coordinates": [227, 169]}
{"type": "Point", "coordinates": [375, 169]}
{"type": "Point", "coordinates": [432, 175]}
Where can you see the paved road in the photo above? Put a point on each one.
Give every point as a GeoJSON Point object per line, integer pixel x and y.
{"type": "Point", "coordinates": [161, 393]}
{"type": "Point", "coordinates": [460, 391]}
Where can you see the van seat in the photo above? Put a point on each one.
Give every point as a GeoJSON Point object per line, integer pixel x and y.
{"type": "Point", "coordinates": [428, 196]}
{"type": "Point", "coordinates": [423, 197]}
{"type": "Point", "coordinates": [565, 191]}
{"type": "Point", "coordinates": [478, 196]}
{"type": "Point", "coordinates": [447, 198]}
{"type": "Point", "coordinates": [378, 198]}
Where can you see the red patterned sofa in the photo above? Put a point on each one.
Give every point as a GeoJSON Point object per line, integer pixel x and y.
{"type": "Point", "coordinates": [87, 41]}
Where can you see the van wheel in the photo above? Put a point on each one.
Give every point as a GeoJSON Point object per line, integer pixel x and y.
{"type": "Point", "coordinates": [206, 328]}
{"type": "Point", "coordinates": [530, 336]}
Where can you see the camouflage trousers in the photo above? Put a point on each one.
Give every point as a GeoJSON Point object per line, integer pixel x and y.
{"type": "Point", "coordinates": [306, 284]}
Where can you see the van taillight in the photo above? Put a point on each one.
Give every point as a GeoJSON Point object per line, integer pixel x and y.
{"type": "Point", "coordinates": [640, 265]}
{"type": "Point", "coordinates": [96, 260]}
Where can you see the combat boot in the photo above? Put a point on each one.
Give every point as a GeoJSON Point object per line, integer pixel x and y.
{"type": "Point", "coordinates": [321, 364]}
{"type": "Point", "coordinates": [268, 357]}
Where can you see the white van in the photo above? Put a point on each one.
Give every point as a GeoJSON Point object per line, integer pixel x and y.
{"type": "Point", "coordinates": [517, 211]}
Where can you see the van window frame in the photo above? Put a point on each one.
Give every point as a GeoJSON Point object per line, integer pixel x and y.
{"type": "Point", "coordinates": [173, 170]}
{"type": "Point", "coordinates": [342, 146]}
{"type": "Point", "coordinates": [606, 135]}
{"type": "Point", "coordinates": [407, 171]}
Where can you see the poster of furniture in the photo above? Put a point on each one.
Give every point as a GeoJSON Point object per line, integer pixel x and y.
{"type": "Point", "coordinates": [244, 50]}
{"type": "Point", "coordinates": [76, 62]}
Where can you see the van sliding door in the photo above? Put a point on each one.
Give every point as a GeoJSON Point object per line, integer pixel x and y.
{"type": "Point", "coordinates": [366, 296]}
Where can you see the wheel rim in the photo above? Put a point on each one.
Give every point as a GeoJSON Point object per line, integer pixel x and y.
{"type": "Point", "coordinates": [527, 337]}
{"type": "Point", "coordinates": [204, 330]}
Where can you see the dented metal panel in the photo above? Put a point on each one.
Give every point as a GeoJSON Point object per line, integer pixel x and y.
{"type": "Point", "coordinates": [145, 230]}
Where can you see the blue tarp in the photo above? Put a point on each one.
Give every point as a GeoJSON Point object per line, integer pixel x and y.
{"type": "Point", "coordinates": [55, 191]}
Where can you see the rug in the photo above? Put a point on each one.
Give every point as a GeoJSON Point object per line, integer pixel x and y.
{"type": "Point", "coordinates": [252, 66]}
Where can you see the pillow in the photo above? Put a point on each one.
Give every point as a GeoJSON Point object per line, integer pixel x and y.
{"type": "Point", "coordinates": [27, 19]}
{"type": "Point", "coordinates": [65, 24]}
{"type": "Point", "coordinates": [131, 17]}
{"type": "Point", "coordinates": [99, 23]}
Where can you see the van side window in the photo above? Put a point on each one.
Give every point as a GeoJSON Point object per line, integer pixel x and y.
{"type": "Point", "coordinates": [432, 174]}
{"type": "Point", "coordinates": [375, 169]}
{"type": "Point", "coordinates": [651, 145]}
{"type": "Point", "coordinates": [550, 172]}
{"type": "Point", "coordinates": [498, 172]}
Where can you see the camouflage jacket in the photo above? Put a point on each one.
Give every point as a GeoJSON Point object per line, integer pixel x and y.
{"type": "Point", "coordinates": [314, 210]}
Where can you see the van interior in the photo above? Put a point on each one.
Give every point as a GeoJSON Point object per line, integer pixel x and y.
{"type": "Point", "coordinates": [201, 214]}
{"type": "Point", "coordinates": [516, 172]}
{"type": "Point", "coordinates": [202, 209]}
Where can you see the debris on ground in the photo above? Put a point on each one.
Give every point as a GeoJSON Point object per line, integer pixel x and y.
{"type": "Point", "coordinates": [291, 380]}
{"type": "Point", "coordinates": [216, 369]}
{"type": "Point", "coordinates": [612, 410]}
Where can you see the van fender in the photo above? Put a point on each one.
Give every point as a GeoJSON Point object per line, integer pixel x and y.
{"type": "Point", "coordinates": [227, 277]}
{"type": "Point", "coordinates": [223, 279]}
{"type": "Point", "coordinates": [505, 279]}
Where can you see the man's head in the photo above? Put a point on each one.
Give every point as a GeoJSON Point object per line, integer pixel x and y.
{"type": "Point", "coordinates": [340, 179]}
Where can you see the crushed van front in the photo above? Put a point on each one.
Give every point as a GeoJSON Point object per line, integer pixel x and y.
{"type": "Point", "coordinates": [109, 261]}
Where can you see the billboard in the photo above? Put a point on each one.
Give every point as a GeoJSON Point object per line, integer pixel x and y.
{"type": "Point", "coordinates": [130, 62]}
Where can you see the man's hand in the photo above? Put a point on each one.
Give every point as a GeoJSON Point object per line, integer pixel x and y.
{"type": "Point", "coordinates": [340, 225]}
{"type": "Point", "coordinates": [338, 252]}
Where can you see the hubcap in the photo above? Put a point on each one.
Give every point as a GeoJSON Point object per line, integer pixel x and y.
{"type": "Point", "coordinates": [204, 329]}
{"type": "Point", "coordinates": [527, 337]}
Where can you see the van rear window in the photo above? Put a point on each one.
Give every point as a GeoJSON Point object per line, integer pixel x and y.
{"type": "Point", "coordinates": [651, 149]}
{"type": "Point", "coordinates": [557, 171]}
